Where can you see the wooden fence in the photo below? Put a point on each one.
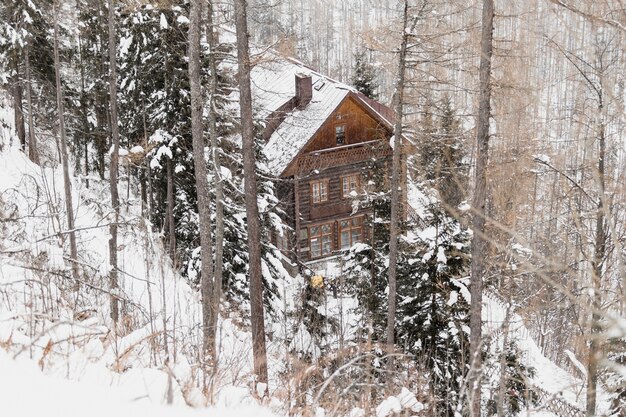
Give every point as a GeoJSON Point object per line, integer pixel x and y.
{"type": "Point", "coordinates": [557, 405]}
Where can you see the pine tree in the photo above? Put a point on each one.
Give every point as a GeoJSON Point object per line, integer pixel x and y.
{"type": "Point", "coordinates": [25, 39]}
{"type": "Point", "coordinates": [519, 394]}
{"type": "Point", "coordinates": [441, 153]}
{"type": "Point", "coordinates": [366, 263]}
{"type": "Point", "coordinates": [91, 124]}
{"type": "Point", "coordinates": [364, 75]}
{"type": "Point", "coordinates": [433, 307]}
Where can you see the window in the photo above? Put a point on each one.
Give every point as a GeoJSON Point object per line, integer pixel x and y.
{"type": "Point", "coordinates": [349, 183]}
{"type": "Point", "coordinates": [350, 232]}
{"type": "Point", "coordinates": [340, 134]}
{"type": "Point", "coordinates": [320, 240]}
{"type": "Point", "coordinates": [319, 191]}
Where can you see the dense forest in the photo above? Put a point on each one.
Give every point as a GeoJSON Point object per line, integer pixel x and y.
{"type": "Point", "coordinates": [141, 224]}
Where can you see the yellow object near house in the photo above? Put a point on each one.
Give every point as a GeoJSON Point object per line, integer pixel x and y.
{"type": "Point", "coordinates": [317, 281]}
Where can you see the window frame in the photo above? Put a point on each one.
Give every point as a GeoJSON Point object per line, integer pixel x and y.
{"type": "Point", "coordinates": [319, 194]}
{"type": "Point", "coordinates": [321, 235]}
{"type": "Point", "coordinates": [359, 226]}
{"type": "Point", "coordinates": [341, 127]}
{"type": "Point", "coordinates": [357, 184]}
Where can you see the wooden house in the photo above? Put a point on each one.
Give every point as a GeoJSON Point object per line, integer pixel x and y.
{"type": "Point", "coordinates": [321, 135]}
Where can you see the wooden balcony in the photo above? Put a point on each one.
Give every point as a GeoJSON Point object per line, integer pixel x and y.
{"type": "Point", "coordinates": [341, 155]}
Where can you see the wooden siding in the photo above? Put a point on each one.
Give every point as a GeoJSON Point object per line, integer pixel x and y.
{"type": "Point", "coordinates": [336, 208]}
{"type": "Point", "coordinates": [324, 159]}
{"type": "Point", "coordinates": [360, 127]}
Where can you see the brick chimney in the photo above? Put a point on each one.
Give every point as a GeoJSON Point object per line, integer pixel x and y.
{"type": "Point", "coordinates": [304, 90]}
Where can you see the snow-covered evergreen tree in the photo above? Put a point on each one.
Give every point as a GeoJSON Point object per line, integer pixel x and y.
{"type": "Point", "coordinates": [433, 304]}
{"type": "Point", "coordinates": [441, 152]}
{"type": "Point", "coordinates": [364, 75]}
{"type": "Point", "coordinates": [519, 393]}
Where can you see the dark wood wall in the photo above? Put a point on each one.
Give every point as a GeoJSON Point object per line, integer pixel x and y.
{"type": "Point", "coordinates": [360, 127]}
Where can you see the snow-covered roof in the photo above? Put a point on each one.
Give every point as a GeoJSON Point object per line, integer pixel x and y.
{"type": "Point", "coordinates": [273, 85]}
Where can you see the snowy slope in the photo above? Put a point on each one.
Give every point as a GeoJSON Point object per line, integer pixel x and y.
{"type": "Point", "coordinates": [57, 350]}
{"type": "Point", "coordinates": [27, 392]}
{"type": "Point", "coordinates": [549, 377]}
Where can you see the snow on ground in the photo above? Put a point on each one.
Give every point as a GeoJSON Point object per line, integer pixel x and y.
{"type": "Point", "coordinates": [549, 376]}
{"type": "Point", "coordinates": [57, 353]}
{"type": "Point", "coordinates": [27, 392]}
{"type": "Point", "coordinates": [57, 350]}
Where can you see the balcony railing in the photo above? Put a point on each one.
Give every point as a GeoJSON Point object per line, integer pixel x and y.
{"type": "Point", "coordinates": [341, 155]}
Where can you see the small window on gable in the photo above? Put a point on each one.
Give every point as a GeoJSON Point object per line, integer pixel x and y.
{"type": "Point", "coordinates": [340, 134]}
{"type": "Point", "coordinates": [319, 191]}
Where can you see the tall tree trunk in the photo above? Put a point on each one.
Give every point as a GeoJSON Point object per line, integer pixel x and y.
{"type": "Point", "coordinates": [595, 352]}
{"type": "Point", "coordinates": [83, 106]}
{"type": "Point", "coordinates": [215, 151]}
{"type": "Point", "coordinates": [18, 105]}
{"type": "Point", "coordinates": [115, 139]}
{"type": "Point", "coordinates": [479, 242]}
{"type": "Point", "coordinates": [171, 223]}
{"type": "Point", "coordinates": [252, 209]}
{"type": "Point", "coordinates": [394, 227]}
{"type": "Point", "coordinates": [500, 405]}
{"type": "Point", "coordinates": [209, 309]}
{"type": "Point", "coordinates": [67, 185]}
{"type": "Point", "coordinates": [33, 154]}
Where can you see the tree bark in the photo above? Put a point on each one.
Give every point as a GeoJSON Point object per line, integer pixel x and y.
{"type": "Point", "coordinates": [115, 139]}
{"type": "Point", "coordinates": [250, 189]}
{"type": "Point", "coordinates": [33, 154]}
{"type": "Point", "coordinates": [479, 242]}
{"type": "Point", "coordinates": [171, 223]}
{"type": "Point", "coordinates": [595, 352]}
{"type": "Point", "coordinates": [215, 151]}
{"type": "Point", "coordinates": [209, 309]}
{"type": "Point", "coordinates": [67, 185]}
{"type": "Point", "coordinates": [18, 104]}
{"type": "Point", "coordinates": [394, 226]}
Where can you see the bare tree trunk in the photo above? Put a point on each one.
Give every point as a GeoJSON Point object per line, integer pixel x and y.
{"type": "Point", "coordinates": [215, 150]}
{"type": "Point", "coordinates": [595, 352]}
{"type": "Point", "coordinates": [202, 185]}
{"type": "Point", "coordinates": [503, 367]}
{"type": "Point", "coordinates": [394, 227]}
{"type": "Point", "coordinates": [33, 154]}
{"type": "Point", "coordinates": [83, 111]}
{"type": "Point", "coordinates": [252, 209]}
{"type": "Point", "coordinates": [67, 185]}
{"type": "Point", "coordinates": [479, 242]}
{"type": "Point", "coordinates": [171, 224]}
{"type": "Point", "coordinates": [115, 139]}
{"type": "Point", "coordinates": [18, 107]}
